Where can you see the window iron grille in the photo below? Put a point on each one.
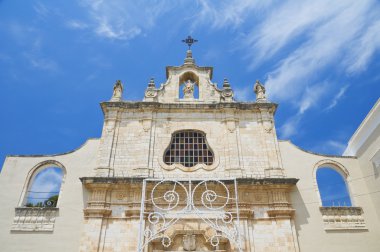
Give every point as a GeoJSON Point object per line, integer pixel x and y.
{"type": "Point", "coordinates": [189, 148]}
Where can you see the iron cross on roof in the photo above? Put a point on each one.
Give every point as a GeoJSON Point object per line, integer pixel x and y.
{"type": "Point", "coordinates": [189, 41]}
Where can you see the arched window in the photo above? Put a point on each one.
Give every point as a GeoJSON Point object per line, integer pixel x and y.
{"type": "Point", "coordinates": [332, 187]}
{"type": "Point", "coordinates": [189, 148]}
{"type": "Point", "coordinates": [44, 186]}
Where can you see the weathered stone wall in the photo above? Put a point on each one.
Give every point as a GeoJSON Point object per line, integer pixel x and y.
{"type": "Point", "coordinates": [244, 141]}
{"type": "Point", "coordinates": [113, 213]}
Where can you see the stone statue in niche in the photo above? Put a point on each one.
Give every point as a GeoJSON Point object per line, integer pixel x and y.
{"type": "Point", "coordinates": [188, 90]}
{"type": "Point", "coordinates": [189, 242]}
{"type": "Point", "coordinates": [117, 91]}
{"type": "Point", "coordinates": [259, 89]}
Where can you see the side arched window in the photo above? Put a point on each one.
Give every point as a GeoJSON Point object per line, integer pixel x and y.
{"type": "Point", "coordinates": [44, 186]}
{"type": "Point", "coordinates": [332, 187]}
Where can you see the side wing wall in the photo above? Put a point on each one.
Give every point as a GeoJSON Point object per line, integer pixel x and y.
{"type": "Point", "coordinates": [69, 222]}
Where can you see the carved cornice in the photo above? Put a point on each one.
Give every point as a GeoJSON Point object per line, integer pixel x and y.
{"type": "Point", "coordinates": [241, 181]}
{"type": "Point", "coordinates": [267, 181]}
{"type": "Point", "coordinates": [281, 213]}
{"type": "Point", "coordinates": [97, 212]}
{"type": "Point", "coordinates": [197, 106]}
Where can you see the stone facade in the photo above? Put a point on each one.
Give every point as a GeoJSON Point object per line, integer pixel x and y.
{"type": "Point", "coordinates": [120, 194]}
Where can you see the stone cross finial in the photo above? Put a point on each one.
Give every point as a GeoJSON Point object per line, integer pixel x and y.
{"type": "Point", "coordinates": [189, 41]}
{"type": "Point", "coordinates": [117, 91]}
{"type": "Point", "coordinates": [259, 90]}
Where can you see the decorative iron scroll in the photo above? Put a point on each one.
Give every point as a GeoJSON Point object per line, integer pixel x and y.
{"type": "Point", "coordinates": [166, 201]}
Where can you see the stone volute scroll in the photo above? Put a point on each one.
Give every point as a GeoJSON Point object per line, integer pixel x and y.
{"type": "Point", "coordinates": [117, 91]}
{"type": "Point", "coordinates": [259, 90]}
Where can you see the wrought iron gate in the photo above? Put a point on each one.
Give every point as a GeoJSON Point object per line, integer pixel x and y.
{"type": "Point", "coordinates": [166, 201]}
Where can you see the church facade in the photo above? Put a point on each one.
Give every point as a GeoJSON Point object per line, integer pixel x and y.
{"type": "Point", "coordinates": [188, 168]}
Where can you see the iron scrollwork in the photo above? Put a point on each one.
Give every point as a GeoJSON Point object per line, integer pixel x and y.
{"type": "Point", "coordinates": [166, 201]}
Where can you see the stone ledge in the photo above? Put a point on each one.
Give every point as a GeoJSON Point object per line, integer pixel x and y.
{"type": "Point", "coordinates": [34, 219]}
{"type": "Point", "coordinates": [343, 218]}
{"type": "Point", "coordinates": [281, 213]}
{"type": "Point", "coordinates": [252, 181]}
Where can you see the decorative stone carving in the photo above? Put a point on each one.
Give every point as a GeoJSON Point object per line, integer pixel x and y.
{"type": "Point", "coordinates": [189, 242]}
{"type": "Point", "coordinates": [268, 126]}
{"type": "Point", "coordinates": [120, 195]}
{"type": "Point", "coordinates": [259, 90]}
{"type": "Point", "coordinates": [29, 219]}
{"type": "Point", "coordinates": [227, 93]}
{"type": "Point", "coordinates": [342, 218]}
{"type": "Point", "coordinates": [231, 125]}
{"type": "Point", "coordinates": [188, 90]}
{"type": "Point", "coordinates": [151, 91]}
{"type": "Point", "coordinates": [146, 124]}
{"type": "Point", "coordinates": [117, 91]}
{"type": "Point", "coordinates": [266, 120]}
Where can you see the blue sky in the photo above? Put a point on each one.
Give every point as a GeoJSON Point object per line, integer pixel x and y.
{"type": "Point", "coordinates": [332, 188]}
{"type": "Point", "coordinates": [318, 59]}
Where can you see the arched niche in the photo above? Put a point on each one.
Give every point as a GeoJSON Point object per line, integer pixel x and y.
{"type": "Point", "coordinates": [189, 76]}
{"type": "Point", "coordinates": [43, 185]}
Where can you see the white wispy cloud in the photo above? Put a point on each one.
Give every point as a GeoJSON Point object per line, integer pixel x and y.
{"type": "Point", "coordinates": [226, 13]}
{"type": "Point", "coordinates": [311, 36]}
{"type": "Point", "coordinates": [32, 42]}
{"type": "Point", "coordinates": [290, 127]}
{"type": "Point", "coordinates": [41, 10]}
{"type": "Point", "coordinates": [124, 20]}
{"type": "Point", "coordinates": [244, 93]}
{"type": "Point", "coordinates": [76, 24]}
{"type": "Point", "coordinates": [48, 180]}
{"type": "Point", "coordinates": [332, 147]}
{"type": "Point", "coordinates": [337, 97]}
{"type": "Point", "coordinates": [41, 63]}
{"type": "Point", "coordinates": [311, 96]}
{"type": "Point", "coordinates": [46, 183]}
{"type": "Point", "coordinates": [305, 39]}
{"type": "Point", "coordinates": [336, 146]}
